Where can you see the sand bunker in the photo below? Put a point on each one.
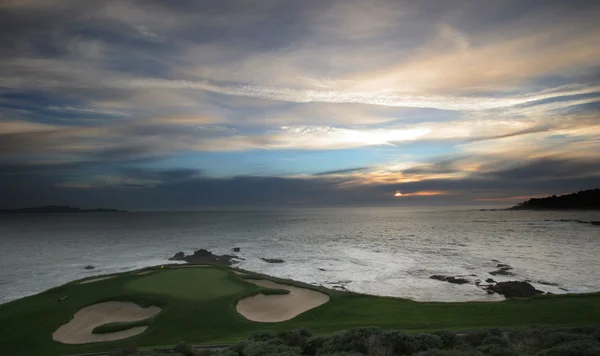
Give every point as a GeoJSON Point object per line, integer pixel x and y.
{"type": "Point", "coordinates": [148, 271]}
{"type": "Point", "coordinates": [275, 308]}
{"type": "Point", "coordinates": [96, 279]}
{"type": "Point", "coordinates": [79, 329]}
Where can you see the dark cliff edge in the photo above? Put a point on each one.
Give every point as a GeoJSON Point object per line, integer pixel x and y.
{"type": "Point", "coordinates": [56, 209]}
{"type": "Point", "coordinates": [583, 200]}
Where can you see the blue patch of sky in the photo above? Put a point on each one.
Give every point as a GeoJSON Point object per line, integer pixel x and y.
{"type": "Point", "coordinates": [294, 162]}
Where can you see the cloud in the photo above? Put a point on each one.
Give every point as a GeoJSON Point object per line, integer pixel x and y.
{"type": "Point", "coordinates": [341, 171]}
{"type": "Point", "coordinates": [455, 99]}
{"type": "Point", "coordinates": [186, 188]}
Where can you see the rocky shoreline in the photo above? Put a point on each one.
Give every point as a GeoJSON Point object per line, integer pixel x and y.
{"type": "Point", "coordinates": [508, 289]}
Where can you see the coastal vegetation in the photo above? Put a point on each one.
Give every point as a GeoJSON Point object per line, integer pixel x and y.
{"type": "Point", "coordinates": [198, 305]}
{"type": "Point", "coordinates": [583, 200]}
{"type": "Point", "coordinates": [581, 341]}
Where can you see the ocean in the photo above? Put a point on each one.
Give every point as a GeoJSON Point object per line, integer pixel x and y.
{"type": "Point", "coordinates": [381, 251]}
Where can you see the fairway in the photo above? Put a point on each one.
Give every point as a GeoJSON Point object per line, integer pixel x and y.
{"type": "Point", "coordinates": [198, 305]}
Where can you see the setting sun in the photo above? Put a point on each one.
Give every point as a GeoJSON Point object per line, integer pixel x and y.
{"type": "Point", "coordinates": [397, 194]}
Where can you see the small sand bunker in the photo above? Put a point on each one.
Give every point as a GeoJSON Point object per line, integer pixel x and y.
{"type": "Point", "coordinates": [79, 329]}
{"type": "Point", "coordinates": [275, 308]}
{"type": "Point", "coordinates": [148, 271]}
{"type": "Point", "coordinates": [96, 279]}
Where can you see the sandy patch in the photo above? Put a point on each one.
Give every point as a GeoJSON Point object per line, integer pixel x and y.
{"type": "Point", "coordinates": [275, 308]}
{"type": "Point", "coordinates": [96, 279]}
{"type": "Point", "coordinates": [141, 273]}
{"type": "Point", "coordinates": [79, 329]}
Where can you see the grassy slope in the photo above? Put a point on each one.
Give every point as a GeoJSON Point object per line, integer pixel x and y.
{"type": "Point", "coordinates": [199, 307]}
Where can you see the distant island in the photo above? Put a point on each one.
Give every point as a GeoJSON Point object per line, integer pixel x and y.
{"type": "Point", "coordinates": [583, 200]}
{"type": "Point", "coordinates": [57, 209]}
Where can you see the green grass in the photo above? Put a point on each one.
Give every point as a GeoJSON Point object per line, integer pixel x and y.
{"type": "Point", "coordinates": [119, 326]}
{"type": "Point", "coordinates": [198, 306]}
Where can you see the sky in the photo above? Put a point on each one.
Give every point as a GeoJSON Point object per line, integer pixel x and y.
{"type": "Point", "coordinates": [187, 104]}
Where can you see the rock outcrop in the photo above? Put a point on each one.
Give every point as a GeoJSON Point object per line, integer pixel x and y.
{"type": "Point", "coordinates": [454, 280]}
{"type": "Point", "coordinates": [272, 260]}
{"type": "Point", "coordinates": [205, 256]}
{"type": "Point", "coordinates": [514, 289]}
{"type": "Point", "coordinates": [503, 270]}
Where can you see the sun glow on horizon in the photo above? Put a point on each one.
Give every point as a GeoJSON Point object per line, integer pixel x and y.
{"type": "Point", "coordinates": [397, 194]}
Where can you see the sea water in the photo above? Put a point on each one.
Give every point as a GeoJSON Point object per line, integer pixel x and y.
{"type": "Point", "coordinates": [381, 251]}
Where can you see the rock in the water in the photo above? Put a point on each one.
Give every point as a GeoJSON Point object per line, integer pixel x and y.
{"type": "Point", "coordinates": [503, 265]}
{"type": "Point", "coordinates": [204, 256]}
{"type": "Point", "coordinates": [322, 269]}
{"type": "Point", "coordinates": [597, 223]}
{"type": "Point", "coordinates": [236, 249]}
{"type": "Point", "coordinates": [489, 292]}
{"type": "Point", "coordinates": [547, 283]}
{"type": "Point", "coordinates": [449, 279]}
{"type": "Point", "coordinates": [514, 289]}
{"type": "Point", "coordinates": [89, 267]}
{"type": "Point", "coordinates": [272, 260]}
{"type": "Point", "coordinates": [502, 272]}
{"type": "Point", "coordinates": [489, 280]}
{"type": "Point", "coordinates": [179, 256]}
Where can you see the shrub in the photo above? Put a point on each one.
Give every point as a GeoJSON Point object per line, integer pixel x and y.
{"type": "Point", "coordinates": [449, 353]}
{"type": "Point", "coordinates": [266, 348]}
{"type": "Point", "coordinates": [262, 335]}
{"type": "Point", "coordinates": [353, 340]}
{"type": "Point", "coordinates": [298, 337]}
{"type": "Point", "coordinates": [476, 338]}
{"type": "Point", "coordinates": [402, 342]}
{"type": "Point", "coordinates": [379, 345]}
{"type": "Point", "coordinates": [238, 348]}
{"type": "Point", "coordinates": [596, 335]}
{"type": "Point", "coordinates": [183, 348]}
{"type": "Point", "coordinates": [497, 350]}
{"type": "Point", "coordinates": [558, 338]}
{"type": "Point", "coordinates": [314, 344]}
{"type": "Point", "coordinates": [587, 330]}
{"type": "Point", "coordinates": [227, 353]}
{"type": "Point", "coordinates": [448, 338]}
{"type": "Point", "coordinates": [157, 353]}
{"type": "Point", "coordinates": [496, 340]}
{"type": "Point", "coordinates": [526, 340]}
{"type": "Point", "coordinates": [574, 348]}
{"type": "Point", "coordinates": [423, 342]}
